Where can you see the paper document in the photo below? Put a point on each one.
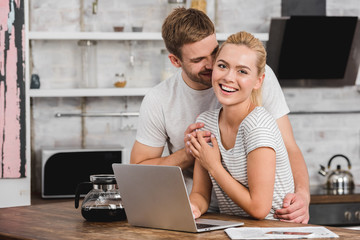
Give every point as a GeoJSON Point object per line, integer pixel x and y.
{"type": "Point", "coordinates": [279, 233]}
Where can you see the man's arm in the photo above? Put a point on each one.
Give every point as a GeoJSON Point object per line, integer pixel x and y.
{"type": "Point", "coordinates": [295, 206]}
{"type": "Point", "coordinates": [143, 154]}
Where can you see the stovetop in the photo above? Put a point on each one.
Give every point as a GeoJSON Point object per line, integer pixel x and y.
{"type": "Point", "coordinates": [334, 208]}
{"type": "Point", "coordinates": [319, 194]}
{"type": "Point", "coordinates": [322, 190]}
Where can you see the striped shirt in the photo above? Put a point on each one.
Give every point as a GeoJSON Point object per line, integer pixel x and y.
{"type": "Point", "coordinates": [258, 129]}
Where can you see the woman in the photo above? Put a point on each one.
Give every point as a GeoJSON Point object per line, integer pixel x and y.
{"type": "Point", "coordinates": [246, 162]}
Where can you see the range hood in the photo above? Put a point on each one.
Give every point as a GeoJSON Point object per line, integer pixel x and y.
{"type": "Point", "coordinates": [314, 51]}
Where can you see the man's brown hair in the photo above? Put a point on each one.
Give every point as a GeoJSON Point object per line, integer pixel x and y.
{"type": "Point", "coordinates": [184, 26]}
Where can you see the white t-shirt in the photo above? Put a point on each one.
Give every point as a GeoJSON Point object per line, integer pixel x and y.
{"type": "Point", "coordinates": [171, 106]}
{"type": "Point", "coordinates": [258, 129]}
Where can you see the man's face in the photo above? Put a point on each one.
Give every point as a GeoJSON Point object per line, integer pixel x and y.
{"type": "Point", "coordinates": [197, 62]}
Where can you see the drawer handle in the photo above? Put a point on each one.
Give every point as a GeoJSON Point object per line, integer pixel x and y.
{"type": "Point", "coordinates": [347, 215]}
{"type": "Point", "coordinates": [357, 215]}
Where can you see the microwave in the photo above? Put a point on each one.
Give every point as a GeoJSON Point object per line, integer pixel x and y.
{"type": "Point", "coordinates": [64, 169]}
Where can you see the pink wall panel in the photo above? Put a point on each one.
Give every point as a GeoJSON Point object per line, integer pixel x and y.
{"type": "Point", "coordinates": [12, 89]}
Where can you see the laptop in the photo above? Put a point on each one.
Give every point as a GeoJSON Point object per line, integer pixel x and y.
{"type": "Point", "coordinates": [156, 197]}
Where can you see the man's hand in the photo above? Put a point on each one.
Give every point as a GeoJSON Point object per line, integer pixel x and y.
{"type": "Point", "coordinates": [191, 131]}
{"type": "Point", "coordinates": [295, 209]}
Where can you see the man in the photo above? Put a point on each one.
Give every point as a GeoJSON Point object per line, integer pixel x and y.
{"type": "Point", "coordinates": [174, 104]}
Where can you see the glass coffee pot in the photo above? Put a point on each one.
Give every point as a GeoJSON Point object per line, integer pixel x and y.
{"type": "Point", "coordinates": [103, 203]}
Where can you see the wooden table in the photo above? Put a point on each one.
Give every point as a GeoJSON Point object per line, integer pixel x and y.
{"type": "Point", "coordinates": [61, 220]}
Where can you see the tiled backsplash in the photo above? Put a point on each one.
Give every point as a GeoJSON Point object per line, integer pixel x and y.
{"type": "Point", "coordinates": [319, 136]}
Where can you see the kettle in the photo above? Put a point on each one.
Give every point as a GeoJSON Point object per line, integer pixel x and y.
{"type": "Point", "coordinates": [103, 203]}
{"type": "Point", "coordinates": [338, 181]}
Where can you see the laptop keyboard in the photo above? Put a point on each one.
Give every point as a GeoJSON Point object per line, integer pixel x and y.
{"type": "Point", "coordinates": [203, 225]}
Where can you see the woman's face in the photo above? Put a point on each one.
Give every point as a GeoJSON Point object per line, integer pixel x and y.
{"type": "Point", "coordinates": [235, 74]}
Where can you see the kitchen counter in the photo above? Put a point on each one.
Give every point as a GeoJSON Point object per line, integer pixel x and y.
{"type": "Point", "coordinates": [60, 220]}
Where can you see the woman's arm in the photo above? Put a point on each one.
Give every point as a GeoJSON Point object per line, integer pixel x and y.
{"type": "Point", "coordinates": [201, 191]}
{"type": "Point", "coordinates": [257, 200]}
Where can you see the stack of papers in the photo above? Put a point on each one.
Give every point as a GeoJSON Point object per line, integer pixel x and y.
{"type": "Point", "coordinates": [279, 233]}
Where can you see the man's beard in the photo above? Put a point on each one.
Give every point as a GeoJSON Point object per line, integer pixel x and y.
{"type": "Point", "coordinates": [198, 78]}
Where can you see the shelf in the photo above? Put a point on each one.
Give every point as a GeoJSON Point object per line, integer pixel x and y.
{"type": "Point", "coordinates": [155, 36]}
{"type": "Point", "coordinates": [261, 36]}
{"type": "Point", "coordinates": [102, 92]}
{"type": "Point", "coordinates": [95, 35]}
{"type": "Point", "coordinates": [88, 92]}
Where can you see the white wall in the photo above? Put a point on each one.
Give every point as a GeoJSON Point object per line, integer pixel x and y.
{"type": "Point", "coordinates": [319, 136]}
{"type": "Point", "coordinates": [15, 192]}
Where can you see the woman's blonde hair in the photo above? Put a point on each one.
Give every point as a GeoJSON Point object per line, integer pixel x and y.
{"type": "Point", "coordinates": [248, 40]}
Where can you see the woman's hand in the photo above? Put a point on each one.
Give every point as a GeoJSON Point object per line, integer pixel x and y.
{"type": "Point", "coordinates": [208, 156]}
{"type": "Point", "coordinates": [191, 131]}
{"type": "Point", "coordinates": [195, 211]}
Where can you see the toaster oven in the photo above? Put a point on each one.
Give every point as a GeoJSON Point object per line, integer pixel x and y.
{"type": "Point", "coordinates": [64, 169]}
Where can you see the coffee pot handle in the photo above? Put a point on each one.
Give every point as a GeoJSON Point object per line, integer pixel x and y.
{"type": "Point", "coordinates": [80, 187]}
{"type": "Point", "coordinates": [339, 155]}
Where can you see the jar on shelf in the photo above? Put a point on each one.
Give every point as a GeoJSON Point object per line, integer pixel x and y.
{"type": "Point", "coordinates": [175, 4]}
{"type": "Point", "coordinates": [120, 80]}
{"type": "Point", "coordinates": [88, 64]}
{"type": "Point", "coordinates": [199, 4]}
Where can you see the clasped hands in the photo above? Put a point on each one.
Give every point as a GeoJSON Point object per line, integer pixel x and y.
{"type": "Point", "coordinates": [197, 144]}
